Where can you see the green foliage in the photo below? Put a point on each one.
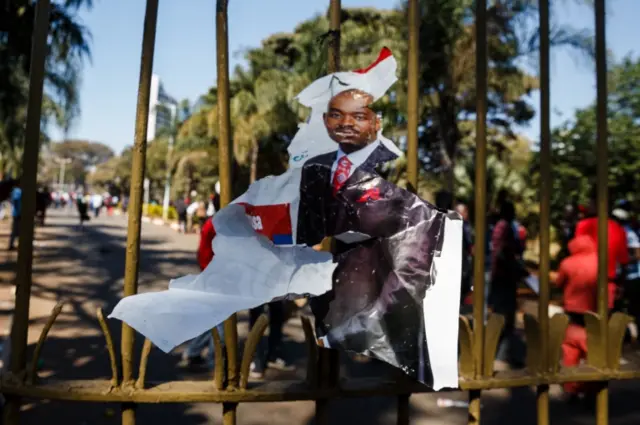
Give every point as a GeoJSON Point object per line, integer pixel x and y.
{"type": "Point", "coordinates": [155, 211]}
{"type": "Point", "coordinates": [264, 113]}
{"type": "Point", "coordinates": [573, 146]}
{"type": "Point", "coordinates": [83, 156]}
{"type": "Point", "coordinates": [68, 50]}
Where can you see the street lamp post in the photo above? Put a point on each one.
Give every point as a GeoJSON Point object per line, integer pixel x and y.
{"type": "Point", "coordinates": [63, 163]}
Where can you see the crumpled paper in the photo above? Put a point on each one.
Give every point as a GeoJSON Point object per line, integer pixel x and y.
{"type": "Point", "coordinates": [247, 271]}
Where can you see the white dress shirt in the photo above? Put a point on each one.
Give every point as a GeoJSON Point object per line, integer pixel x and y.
{"type": "Point", "coordinates": [357, 158]}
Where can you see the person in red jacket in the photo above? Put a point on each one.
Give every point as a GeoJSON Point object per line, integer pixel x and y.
{"type": "Point", "coordinates": [192, 355]}
{"type": "Point", "coordinates": [205, 249]}
{"type": "Point", "coordinates": [578, 277]}
{"type": "Point", "coordinates": [617, 249]}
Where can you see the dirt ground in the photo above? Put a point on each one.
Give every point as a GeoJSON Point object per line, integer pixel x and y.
{"type": "Point", "coordinates": [85, 268]}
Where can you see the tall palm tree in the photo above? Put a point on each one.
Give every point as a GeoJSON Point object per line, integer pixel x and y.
{"type": "Point", "coordinates": [260, 114]}
{"type": "Point", "coordinates": [68, 50]}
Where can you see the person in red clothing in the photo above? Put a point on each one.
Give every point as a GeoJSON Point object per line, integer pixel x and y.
{"type": "Point", "coordinates": [578, 277]}
{"type": "Point", "coordinates": [618, 252]}
{"type": "Point", "coordinates": [265, 355]}
{"type": "Point", "coordinates": [205, 248]}
{"type": "Point", "coordinates": [192, 355]}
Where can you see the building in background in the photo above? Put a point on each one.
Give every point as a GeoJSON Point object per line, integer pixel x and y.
{"type": "Point", "coordinates": [161, 105]}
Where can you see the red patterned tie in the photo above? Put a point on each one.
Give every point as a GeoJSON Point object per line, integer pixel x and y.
{"type": "Point", "coordinates": [342, 173]}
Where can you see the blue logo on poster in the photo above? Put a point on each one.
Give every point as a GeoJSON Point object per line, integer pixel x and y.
{"type": "Point", "coordinates": [300, 157]}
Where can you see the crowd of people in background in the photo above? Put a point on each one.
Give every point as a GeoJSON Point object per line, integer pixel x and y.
{"type": "Point", "coordinates": [576, 275]}
{"type": "Point", "coordinates": [11, 197]}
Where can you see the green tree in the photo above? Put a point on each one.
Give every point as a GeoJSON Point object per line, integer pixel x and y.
{"type": "Point", "coordinates": [84, 156]}
{"type": "Point", "coordinates": [68, 50]}
{"type": "Point", "coordinates": [574, 145]}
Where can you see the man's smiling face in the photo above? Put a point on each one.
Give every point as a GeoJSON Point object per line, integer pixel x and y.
{"type": "Point", "coordinates": [349, 120]}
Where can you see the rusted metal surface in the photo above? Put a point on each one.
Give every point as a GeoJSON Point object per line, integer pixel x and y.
{"type": "Point", "coordinates": [224, 167]}
{"type": "Point", "coordinates": [28, 183]}
{"type": "Point", "coordinates": [413, 96]}
{"type": "Point", "coordinates": [602, 402]}
{"type": "Point", "coordinates": [328, 364]}
{"type": "Point", "coordinates": [335, 13]}
{"type": "Point", "coordinates": [542, 392]}
{"type": "Point", "coordinates": [33, 370]}
{"type": "Point", "coordinates": [135, 196]}
{"type": "Point", "coordinates": [110, 348]}
{"type": "Point", "coordinates": [144, 361]}
{"type": "Point", "coordinates": [286, 390]}
{"type": "Point", "coordinates": [480, 206]}
{"type": "Point", "coordinates": [218, 368]}
{"type": "Point", "coordinates": [250, 347]}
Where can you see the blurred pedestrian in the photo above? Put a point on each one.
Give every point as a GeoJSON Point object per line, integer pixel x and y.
{"type": "Point", "coordinates": [467, 250]}
{"type": "Point", "coordinates": [192, 208]}
{"type": "Point", "coordinates": [618, 252]}
{"type": "Point", "coordinates": [632, 273]}
{"type": "Point", "coordinates": [193, 354]}
{"type": "Point", "coordinates": [211, 207]}
{"type": "Point", "coordinates": [181, 210]}
{"type": "Point", "coordinates": [16, 214]}
{"type": "Point", "coordinates": [507, 270]}
{"type": "Point", "coordinates": [82, 204]}
{"type": "Point", "coordinates": [578, 278]}
{"type": "Point", "coordinates": [271, 354]}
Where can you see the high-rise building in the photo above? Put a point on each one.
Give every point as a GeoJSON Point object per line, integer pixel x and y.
{"type": "Point", "coordinates": [161, 107]}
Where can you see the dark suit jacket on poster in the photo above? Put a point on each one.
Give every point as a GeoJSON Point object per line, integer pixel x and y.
{"type": "Point", "coordinates": [376, 305]}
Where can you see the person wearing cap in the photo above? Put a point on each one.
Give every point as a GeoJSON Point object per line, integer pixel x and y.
{"type": "Point", "coordinates": [375, 306]}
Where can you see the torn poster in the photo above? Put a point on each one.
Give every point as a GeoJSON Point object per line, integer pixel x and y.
{"type": "Point", "coordinates": [390, 288]}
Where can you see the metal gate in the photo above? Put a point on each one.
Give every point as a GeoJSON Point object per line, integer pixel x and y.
{"type": "Point", "coordinates": [477, 345]}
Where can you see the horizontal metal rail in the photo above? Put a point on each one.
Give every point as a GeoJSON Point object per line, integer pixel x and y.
{"type": "Point", "coordinates": [94, 390]}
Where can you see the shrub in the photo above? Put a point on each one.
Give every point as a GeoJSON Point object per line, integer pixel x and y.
{"type": "Point", "coordinates": [155, 211]}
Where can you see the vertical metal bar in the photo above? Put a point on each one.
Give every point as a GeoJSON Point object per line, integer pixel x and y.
{"type": "Point", "coordinates": [329, 360]}
{"type": "Point", "coordinates": [413, 102]}
{"type": "Point", "coordinates": [224, 152]}
{"type": "Point", "coordinates": [135, 196]}
{"type": "Point", "coordinates": [480, 204]}
{"type": "Point", "coordinates": [28, 182]}
{"type": "Point", "coordinates": [542, 393]}
{"type": "Point", "coordinates": [412, 93]}
{"type": "Point", "coordinates": [229, 410]}
{"type": "Point", "coordinates": [602, 403]}
{"type": "Point", "coordinates": [335, 10]}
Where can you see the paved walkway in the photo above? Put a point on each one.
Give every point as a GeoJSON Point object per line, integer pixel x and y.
{"type": "Point", "coordinates": [86, 268]}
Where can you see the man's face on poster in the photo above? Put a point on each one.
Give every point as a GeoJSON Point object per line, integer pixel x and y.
{"type": "Point", "coordinates": [350, 122]}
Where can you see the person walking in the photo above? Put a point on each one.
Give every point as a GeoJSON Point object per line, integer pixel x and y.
{"type": "Point", "coordinates": [181, 210]}
{"type": "Point", "coordinates": [578, 278]}
{"type": "Point", "coordinates": [16, 215]}
{"type": "Point", "coordinates": [192, 356]}
{"type": "Point", "coordinates": [82, 204]}
{"type": "Point", "coordinates": [506, 271]}
{"type": "Point", "coordinates": [271, 354]}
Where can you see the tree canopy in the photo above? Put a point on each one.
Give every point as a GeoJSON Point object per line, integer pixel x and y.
{"type": "Point", "coordinates": [264, 114]}
{"type": "Point", "coordinates": [573, 144]}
